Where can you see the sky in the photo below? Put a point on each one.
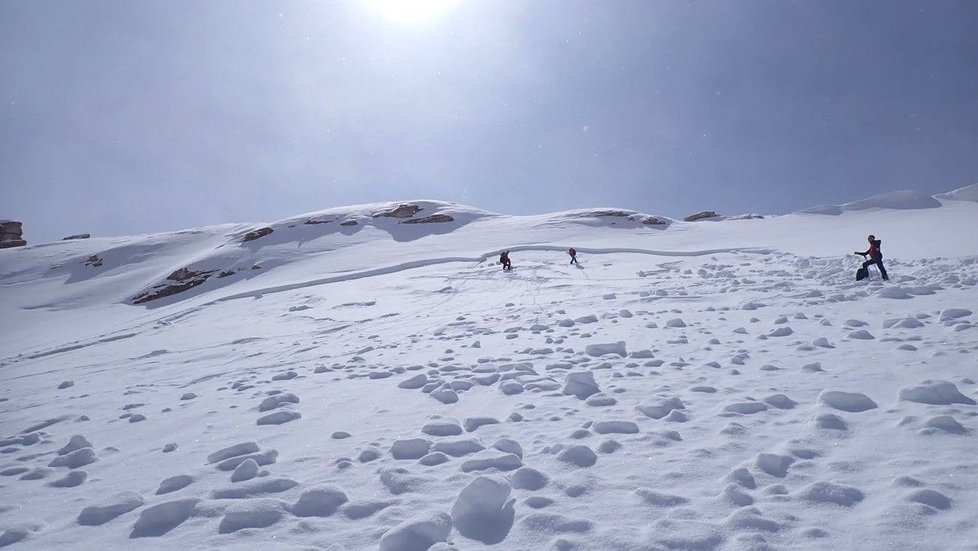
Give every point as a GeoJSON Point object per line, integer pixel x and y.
{"type": "Point", "coordinates": [121, 117]}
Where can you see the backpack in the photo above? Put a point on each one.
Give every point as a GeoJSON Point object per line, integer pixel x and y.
{"type": "Point", "coordinates": [571, 251]}
{"type": "Point", "coordinates": [875, 249]}
{"type": "Point", "coordinates": [862, 273]}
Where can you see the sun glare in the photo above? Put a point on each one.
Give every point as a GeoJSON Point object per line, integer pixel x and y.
{"type": "Point", "coordinates": [410, 11]}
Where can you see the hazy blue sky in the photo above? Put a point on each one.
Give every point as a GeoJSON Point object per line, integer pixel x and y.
{"type": "Point", "coordinates": [120, 117]}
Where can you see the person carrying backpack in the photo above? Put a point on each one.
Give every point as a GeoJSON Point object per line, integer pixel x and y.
{"type": "Point", "coordinates": [573, 255]}
{"type": "Point", "coordinates": [875, 257]}
{"type": "Point", "coordinates": [504, 260]}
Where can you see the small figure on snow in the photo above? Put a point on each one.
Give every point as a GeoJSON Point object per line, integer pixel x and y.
{"type": "Point", "coordinates": [875, 257]}
{"type": "Point", "coordinates": [504, 260]}
{"type": "Point", "coordinates": [573, 254]}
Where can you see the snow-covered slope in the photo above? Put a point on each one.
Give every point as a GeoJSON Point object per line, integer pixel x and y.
{"type": "Point", "coordinates": [900, 200]}
{"type": "Point", "coordinates": [967, 193]}
{"type": "Point", "coordinates": [366, 377]}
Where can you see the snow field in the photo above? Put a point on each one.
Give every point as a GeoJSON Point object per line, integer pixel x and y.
{"type": "Point", "coordinates": [751, 399]}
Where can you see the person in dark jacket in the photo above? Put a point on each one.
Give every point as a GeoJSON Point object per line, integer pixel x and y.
{"type": "Point", "coordinates": [573, 254]}
{"type": "Point", "coordinates": [504, 260]}
{"type": "Point", "coordinates": [875, 255]}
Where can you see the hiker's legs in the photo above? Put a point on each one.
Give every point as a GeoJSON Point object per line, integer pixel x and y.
{"type": "Point", "coordinates": [879, 264]}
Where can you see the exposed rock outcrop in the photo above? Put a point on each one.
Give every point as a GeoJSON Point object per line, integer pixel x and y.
{"type": "Point", "coordinates": [177, 282]}
{"type": "Point", "coordinates": [11, 234]}
{"type": "Point", "coordinates": [260, 232]}
{"type": "Point", "coordinates": [607, 213]}
{"type": "Point", "coordinates": [77, 236]}
{"type": "Point", "coordinates": [704, 215]}
{"type": "Point", "coordinates": [401, 211]}
{"type": "Point", "coordinates": [433, 219]}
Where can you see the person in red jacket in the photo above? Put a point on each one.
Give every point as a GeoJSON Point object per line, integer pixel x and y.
{"type": "Point", "coordinates": [573, 255]}
{"type": "Point", "coordinates": [875, 255]}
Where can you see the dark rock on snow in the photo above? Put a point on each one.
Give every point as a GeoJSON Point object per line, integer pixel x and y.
{"type": "Point", "coordinates": [177, 282]}
{"type": "Point", "coordinates": [401, 211]}
{"type": "Point", "coordinates": [704, 215]}
{"type": "Point", "coordinates": [433, 219]}
{"type": "Point", "coordinates": [260, 232]}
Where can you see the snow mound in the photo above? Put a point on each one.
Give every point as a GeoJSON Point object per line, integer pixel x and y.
{"type": "Point", "coordinates": [939, 393]}
{"type": "Point", "coordinates": [417, 534]}
{"type": "Point", "coordinates": [96, 515]}
{"type": "Point", "coordinates": [526, 478]}
{"type": "Point", "coordinates": [930, 497]}
{"type": "Point", "coordinates": [483, 510]}
{"type": "Point", "coordinates": [319, 501]}
{"type": "Point", "coordinates": [160, 519]}
{"type": "Point", "coordinates": [659, 407]}
{"type": "Point", "coordinates": [831, 492]}
{"type": "Point", "coordinates": [254, 513]}
{"type": "Point", "coordinates": [580, 384]}
{"type": "Point", "coordinates": [853, 402]}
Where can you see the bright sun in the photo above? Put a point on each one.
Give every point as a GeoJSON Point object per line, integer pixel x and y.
{"type": "Point", "coordinates": [410, 11]}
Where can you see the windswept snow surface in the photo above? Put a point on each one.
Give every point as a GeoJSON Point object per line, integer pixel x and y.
{"type": "Point", "coordinates": [384, 385]}
{"type": "Point", "coordinates": [904, 200]}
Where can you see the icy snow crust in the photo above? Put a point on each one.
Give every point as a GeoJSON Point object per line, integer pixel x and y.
{"type": "Point", "coordinates": [384, 385]}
